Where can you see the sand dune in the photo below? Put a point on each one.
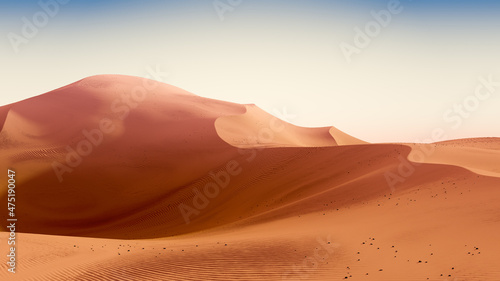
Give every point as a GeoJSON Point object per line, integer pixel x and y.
{"type": "Point", "coordinates": [481, 160]}
{"type": "Point", "coordinates": [162, 184]}
{"type": "Point", "coordinates": [343, 138]}
{"type": "Point", "coordinates": [257, 128]}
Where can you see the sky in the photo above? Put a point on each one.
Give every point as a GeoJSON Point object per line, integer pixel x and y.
{"type": "Point", "coordinates": [382, 71]}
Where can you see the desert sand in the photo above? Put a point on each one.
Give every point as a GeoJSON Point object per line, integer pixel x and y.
{"type": "Point", "coordinates": [122, 178]}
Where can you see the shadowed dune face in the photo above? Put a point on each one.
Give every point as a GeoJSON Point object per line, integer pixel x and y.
{"type": "Point", "coordinates": [229, 191]}
{"type": "Point", "coordinates": [113, 154]}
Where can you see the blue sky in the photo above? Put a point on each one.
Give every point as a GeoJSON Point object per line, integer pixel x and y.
{"type": "Point", "coordinates": [277, 54]}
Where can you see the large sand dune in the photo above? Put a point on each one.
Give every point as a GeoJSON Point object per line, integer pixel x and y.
{"type": "Point", "coordinates": [122, 178]}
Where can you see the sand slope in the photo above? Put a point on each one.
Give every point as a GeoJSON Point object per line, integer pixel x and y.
{"type": "Point", "coordinates": [189, 188]}
{"type": "Point", "coordinates": [257, 128]}
{"type": "Point", "coordinates": [343, 138]}
{"type": "Point", "coordinates": [478, 155]}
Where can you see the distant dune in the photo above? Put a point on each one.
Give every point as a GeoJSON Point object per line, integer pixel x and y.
{"type": "Point", "coordinates": [123, 178]}
{"type": "Point", "coordinates": [257, 128]}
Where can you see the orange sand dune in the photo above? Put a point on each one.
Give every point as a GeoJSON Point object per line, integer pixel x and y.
{"type": "Point", "coordinates": [161, 184]}
{"type": "Point", "coordinates": [482, 159]}
{"type": "Point", "coordinates": [147, 140]}
{"type": "Point", "coordinates": [257, 128]}
{"type": "Point", "coordinates": [343, 138]}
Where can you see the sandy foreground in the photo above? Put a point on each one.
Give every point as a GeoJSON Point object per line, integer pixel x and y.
{"type": "Point", "coordinates": [121, 178]}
